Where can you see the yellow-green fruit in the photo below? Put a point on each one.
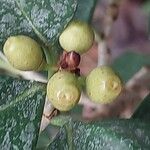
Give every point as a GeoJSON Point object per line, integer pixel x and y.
{"type": "Point", "coordinates": [103, 85]}
{"type": "Point", "coordinates": [23, 53]}
{"type": "Point", "coordinates": [78, 37]}
{"type": "Point", "coordinates": [63, 91]}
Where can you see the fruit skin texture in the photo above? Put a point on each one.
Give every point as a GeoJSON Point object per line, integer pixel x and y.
{"type": "Point", "coordinates": [63, 90]}
{"type": "Point", "coordinates": [78, 37]}
{"type": "Point", "coordinates": [103, 85]}
{"type": "Point", "coordinates": [23, 52]}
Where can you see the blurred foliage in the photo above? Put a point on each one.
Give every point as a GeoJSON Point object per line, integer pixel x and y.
{"type": "Point", "coordinates": [143, 111]}
{"type": "Point", "coordinates": [130, 63]}
{"type": "Point", "coordinates": [146, 7]}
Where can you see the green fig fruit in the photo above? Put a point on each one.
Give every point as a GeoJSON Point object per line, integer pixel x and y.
{"type": "Point", "coordinates": [63, 91]}
{"type": "Point", "coordinates": [23, 53]}
{"type": "Point", "coordinates": [78, 37]}
{"type": "Point", "coordinates": [103, 85]}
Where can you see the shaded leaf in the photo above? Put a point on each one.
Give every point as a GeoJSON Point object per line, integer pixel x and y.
{"type": "Point", "coordinates": [21, 107]}
{"type": "Point", "coordinates": [130, 63]}
{"type": "Point", "coordinates": [113, 134]}
{"type": "Point", "coordinates": [143, 111]}
{"type": "Point", "coordinates": [43, 141]}
{"type": "Point", "coordinates": [85, 10]}
{"type": "Point", "coordinates": [76, 112]}
{"type": "Point", "coordinates": [40, 19]}
{"type": "Point", "coordinates": [146, 7]}
{"type": "Point", "coordinates": [46, 136]}
{"type": "Point", "coordinates": [60, 120]}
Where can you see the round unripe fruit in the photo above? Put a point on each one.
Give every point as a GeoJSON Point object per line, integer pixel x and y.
{"type": "Point", "coordinates": [103, 85]}
{"type": "Point", "coordinates": [78, 37]}
{"type": "Point", "coordinates": [63, 91]}
{"type": "Point", "coordinates": [23, 53]}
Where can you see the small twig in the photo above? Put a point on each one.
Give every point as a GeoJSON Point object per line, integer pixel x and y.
{"type": "Point", "coordinates": [143, 73]}
{"type": "Point", "coordinates": [2, 56]}
{"type": "Point", "coordinates": [104, 54]}
{"type": "Point", "coordinates": [28, 75]}
{"type": "Point", "coordinates": [48, 113]}
{"type": "Point", "coordinates": [53, 113]}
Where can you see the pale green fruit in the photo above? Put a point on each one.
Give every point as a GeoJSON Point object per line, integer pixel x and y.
{"type": "Point", "coordinates": [23, 53]}
{"type": "Point", "coordinates": [63, 91]}
{"type": "Point", "coordinates": [78, 37]}
{"type": "Point", "coordinates": [103, 85]}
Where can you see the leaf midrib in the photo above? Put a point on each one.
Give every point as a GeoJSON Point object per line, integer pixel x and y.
{"type": "Point", "coordinates": [39, 35]}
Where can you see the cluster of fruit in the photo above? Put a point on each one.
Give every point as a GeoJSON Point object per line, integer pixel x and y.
{"type": "Point", "coordinates": [63, 88]}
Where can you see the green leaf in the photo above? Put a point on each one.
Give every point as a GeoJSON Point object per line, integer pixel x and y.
{"type": "Point", "coordinates": [60, 120]}
{"type": "Point", "coordinates": [143, 112]}
{"type": "Point", "coordinates": [85, 10]}
{"type": "Point", "coordinates": [43, 141]}
{"type": "Point", "coordinates": [46, 136]}
{"type": "Point", "coordinates": [52, 55]}
{"type": "Point", "coordinates": [21, 107]}
{"type": "Point", "coordinates": [40, 19]}
{"type": "Point", "coordinates": [130, 63]}
{"type": "Point", "coordinates": [114, 135]}
{"type": "Point", "coordinates": [146, 7]}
